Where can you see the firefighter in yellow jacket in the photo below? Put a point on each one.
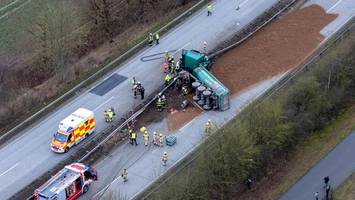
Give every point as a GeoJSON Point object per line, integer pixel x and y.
{"type": "Point", "coordinates": [165, 158]}
{"type": "Point", "coordinates": [208, 127]}
{"type": "Point", "coordinates": [145, 138]}
{"type": "Point", "coordinates": [209, 9]}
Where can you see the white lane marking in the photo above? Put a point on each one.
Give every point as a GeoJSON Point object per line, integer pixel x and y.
{"type": "Point", "coordinates": [243, 3]}
{"type": "Point", "coordinates": [185, 45]}
{"type": "Point", "coordinates": [9, 169]}
{"type": "Point", "coordinates": [186, 124]}
{"type": "Point", "coordinates": [10, 4]}
{"type": "Point", "coordinates": [15, 9]}
{"type": "Point", "coordinates": [335, 5]}
{"type": "Point", "coordinates": [103, 103]}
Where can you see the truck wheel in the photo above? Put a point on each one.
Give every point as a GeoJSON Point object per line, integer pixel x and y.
{"type": "Point", "coordinates": [85, 189]}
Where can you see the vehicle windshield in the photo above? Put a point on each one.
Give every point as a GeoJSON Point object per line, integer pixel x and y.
{"type": "Point", "coordinates": [60, 137]}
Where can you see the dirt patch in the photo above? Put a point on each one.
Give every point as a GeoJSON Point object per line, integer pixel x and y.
{"type": "Point", "coordinates": [175, 115]}
{"type": "Point", "coordinates": [281, 46]}
{"type": "Point", "coordinates": [178, 118]}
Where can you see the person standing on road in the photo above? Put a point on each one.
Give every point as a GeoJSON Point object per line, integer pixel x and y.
{"type": "Point", "coordinates": [209, 9]}
{"type": "Point", "coordinates": [161, 139]}
{"type": "Point", "coordinates": [140, 89]}
{"type": "Point", "coordinates": [327, 192]}
{"type": "Point", "coordinates": [145, 138]}
{"type": "Point", "coordinates": [155, 138]}
{"type": "Point", "coordinates": [134, 81]}
{"type": "Point", "coordinates": [167, 79]}
{"type": "Point", "coordinates": [204, 48]}
{"type": "Point", "coordinates": [326, 180]}
{"type": "Point", "coordinates": [165, 158]}
{"type": "Point", "coordinates": [125, 175]}
{"type": "Point", "coordinates": [208, 127]}
{"type": "Point", "coordinates": [157, 37]}
{"type": "Point", "coordinates": [316, 195]}
{"type": "Point", "coordinates": [150, 39]}
{"type": "Point", "coordinates": [134, 138]}
{"type": "Point", "coordinates": [130, 136]}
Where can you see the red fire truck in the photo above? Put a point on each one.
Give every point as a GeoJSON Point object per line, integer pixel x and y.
{"type": "Point", "coordinates": [67, 184]}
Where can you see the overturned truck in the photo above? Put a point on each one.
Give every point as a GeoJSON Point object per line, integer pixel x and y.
{"type": "Point", "coordinates": [210, 93]}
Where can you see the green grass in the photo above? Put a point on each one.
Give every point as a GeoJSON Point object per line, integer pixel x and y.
{"type": "Point", "coordinates": [14, 27]}
{"type": "Point", "coordinates": [346, 191]}
{"type": "Point", "coordinates": [305, 156]}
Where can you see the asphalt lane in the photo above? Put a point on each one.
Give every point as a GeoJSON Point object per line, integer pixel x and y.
{"type": "Point", "coordinates": [28, 156]}
{"type": "Point", "coordinates": [339, 163]}
{"type": "Point", "coordinates": [144, 163]}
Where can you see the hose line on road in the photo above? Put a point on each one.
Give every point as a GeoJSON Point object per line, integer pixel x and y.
{"type": "Point", "coordinates": [140, 111]}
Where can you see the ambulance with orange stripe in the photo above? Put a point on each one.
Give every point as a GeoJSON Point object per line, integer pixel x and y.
{"type": "Point", "coordinates": [73, 129]}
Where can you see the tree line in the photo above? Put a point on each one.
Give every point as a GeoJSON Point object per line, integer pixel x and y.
{"type": "Point", "coordinates": [247, 146]}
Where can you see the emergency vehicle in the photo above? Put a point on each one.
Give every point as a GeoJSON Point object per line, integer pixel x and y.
{"type": "Point", "coordinates": [68, 184]}
{"type": "Point", "coordinates": [73, 129]}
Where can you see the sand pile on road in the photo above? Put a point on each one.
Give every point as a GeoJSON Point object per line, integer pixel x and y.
{"type": "Point", "coordinates": [279, 47]}
{"type": "Point", "coordinates": [178, 118]}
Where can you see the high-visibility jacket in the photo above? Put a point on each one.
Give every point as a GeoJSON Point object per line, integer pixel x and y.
{"type": "Point", "coordinates": [157, 36]}
{"type": "Point", "coordinates": [143, 129]}
{"type": "Point", "coordinates": [145, 136]}
{"type": "Point", "coordinates": [167, 78]}
{"type": "Point", "coordinates": [133, 135]}
{"type": "Point", "coordinates": [110, 114]}
{"type": "Point", "coordinates": [209, 8]}
{"type": "Point", "coordinates": [159, 102]}
{"type": "Point", "coordinates": [150, 38]}
{"type": "Point", "coordinates": [165, 157]}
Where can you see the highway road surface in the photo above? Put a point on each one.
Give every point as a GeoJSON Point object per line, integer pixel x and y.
{"type": "Point", "coordinates": [28, 156]}
{"type": "Point", "coordinates": [143, 163]}
{"type": "Point", "coordinates": [339, 164]}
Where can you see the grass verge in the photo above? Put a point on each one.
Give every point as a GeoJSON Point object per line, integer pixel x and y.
{"type": "Point", "coordinates": [304, 157]}
{"type": "Point", "coordinates": [112, 62]}
{"type": "Point", "coordinates": [346, 191]}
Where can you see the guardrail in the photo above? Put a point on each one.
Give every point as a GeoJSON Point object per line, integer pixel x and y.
{"type": "Point", "coordinates": [102, 72]}
{"type": "Point", "coordinates": [137, 113]}
{"type": "Point", "coordinates": [119, 128]}
{"type": "Point", "coordinates": [194, 154]}
{"type": "Point", "coordinates": [253, 32]}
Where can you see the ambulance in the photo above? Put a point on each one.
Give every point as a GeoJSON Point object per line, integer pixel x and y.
{"type": "Point", "coordinates": [68, 184]}
{"type": "Point", "coordinates": [73, 129]}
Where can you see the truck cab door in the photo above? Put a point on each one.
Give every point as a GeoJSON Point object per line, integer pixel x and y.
{"type": "Point", "coordinates": [70, 191]}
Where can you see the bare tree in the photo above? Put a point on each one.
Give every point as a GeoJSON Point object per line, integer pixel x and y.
{"type": "Point", "coordinates": [104, 14]}
{"type": "Point", "coordinates": [56, 33]}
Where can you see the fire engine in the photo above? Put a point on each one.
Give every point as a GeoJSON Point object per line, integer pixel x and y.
{"type": "Point", "coordinates": [68, 184]}
{"type": "Point", "coordinates": [73, 129]}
